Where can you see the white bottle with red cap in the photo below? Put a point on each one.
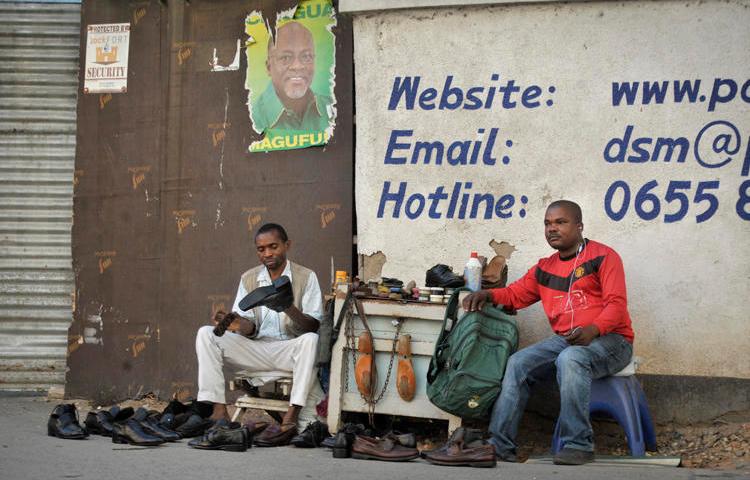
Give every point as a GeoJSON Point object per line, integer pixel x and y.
{"type": "Point", "coordinates": [473, 273]}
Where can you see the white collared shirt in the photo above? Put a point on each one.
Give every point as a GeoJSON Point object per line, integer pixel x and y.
{"type": "Point", "coordinates": [271, 322]}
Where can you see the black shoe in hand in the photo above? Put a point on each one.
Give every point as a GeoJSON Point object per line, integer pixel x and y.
{"type": "Point", "coordinates": [277, 297]}
{"type": "Point", "coordinates": [63, 423]}
{"type": "Point", "coordinates": [312, 436]}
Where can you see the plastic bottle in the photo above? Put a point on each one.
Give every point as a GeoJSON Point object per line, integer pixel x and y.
{"type": "Point", "coordinates": [473, 273]}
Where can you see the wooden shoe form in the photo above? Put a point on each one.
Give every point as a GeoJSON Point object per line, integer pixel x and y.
{"type": "Point", "coordinates": [405, 379]}
{"type": "Point", "coordinates": [364, 370]}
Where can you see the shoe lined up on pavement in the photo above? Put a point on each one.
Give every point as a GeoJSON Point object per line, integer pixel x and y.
{"type": "Point", "coordinates": [276, 435]}
{"type": "Point", "coordinates": [227, 436]}
{"type": "Point", "coordinates": [387, 448]}
{"type": "Point", "coordinates": [312, 436]}
{"type": "Point", "coordinates": [100, 422]}
{"type": "Point", "coordinates": [342, 442]}
{"type": "Point", "coordinates": [142, 427]}
{"type": "Point", "coordinates": [63, 423]}
{"type": "Point", "coordinates": [466, 448]}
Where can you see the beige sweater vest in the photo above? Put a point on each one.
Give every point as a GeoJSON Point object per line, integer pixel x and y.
{"type": "Point", "coordinates": [300, 276]}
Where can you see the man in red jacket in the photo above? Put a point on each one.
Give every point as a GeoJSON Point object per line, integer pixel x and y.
{"type": "Point", "coordinates": [582, 290]}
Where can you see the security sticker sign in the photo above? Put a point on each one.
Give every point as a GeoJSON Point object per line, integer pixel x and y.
{"type": "Point", "coordinates": [107, 58]}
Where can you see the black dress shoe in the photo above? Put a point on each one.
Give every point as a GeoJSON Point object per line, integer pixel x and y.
{"type": "Point", "coordinates": [231, 437]}
{"type": "Point", "coordinates": [284, 296]}
{"type": "Point", "coordinates": [253, 299]}
{"type": "Point", "coordinates": [177, 421]}
{"type": "Point", "coordinates": [167, 420]}
{"type": "Point", "coordinates": [122, 415]}
{"type": "Point", "coordinates": [99, 422]}
{"type": "Point", "coordinates": [442, 276]}
{"type": "Point", "coordinates": [278, 296]}
{"type": "Point", "coordinates": [312, 436]}
{"type": "Point", "coordinates": [131, 431]}
{"type": "Point", "coordinates": [342, 442]}
{"type": "Point", "coordinates": [194, 426]}
{"type": "Point", "coordinates": [150, 424]}
{"type": "Point", "coordinates": [63, 423]}
{"type": "Point", "coordinates": [175, 407]}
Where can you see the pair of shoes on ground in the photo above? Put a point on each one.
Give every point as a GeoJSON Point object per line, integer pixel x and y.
{"type": "Point", "coordinates": [228, 436]}
{"type": "Point", "coordinates": [99, 422]}
{"type": "Point", "coordinates": [141, 427]}
{"type": "Point", "coordinates": [63, 423]}
{"type": "Point", "coordinates": [278, 296]}
{"type": "Point", "coordinates": [312, 436]}
{"type": "Point", "coordinates": [224, 435]}
{"type": "Point", "coordinates": [277, 435]}
{"type": "Point", "coordinates": [123, 425]}
{"type": "Point", "coordinates": [389, 448]}
{"type": "Point", "coordinates": [465, 447]}
{"type": "Point", "coordinates": [342, 442]}
{"type": "Point", "coordinates": [188, 420]}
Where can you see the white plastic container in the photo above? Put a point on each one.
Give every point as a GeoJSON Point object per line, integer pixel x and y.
{"type": "Point", "coordinates": [473, 273]}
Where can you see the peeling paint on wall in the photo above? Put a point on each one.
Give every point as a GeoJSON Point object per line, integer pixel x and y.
{"type": "Point", "coordinates": [373, 266]}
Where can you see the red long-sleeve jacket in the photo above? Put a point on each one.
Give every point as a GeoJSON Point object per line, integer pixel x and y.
{"type": "Point", "coordinates": [579, 291]}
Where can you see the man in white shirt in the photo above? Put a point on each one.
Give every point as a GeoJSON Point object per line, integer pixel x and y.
{"type": "Point", "coordinates": [263, 340]}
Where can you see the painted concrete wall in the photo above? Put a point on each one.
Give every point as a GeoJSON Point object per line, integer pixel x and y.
{"type": "Point", "coordinates": [561, 134]}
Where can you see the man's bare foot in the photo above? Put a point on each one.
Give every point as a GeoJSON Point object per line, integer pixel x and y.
{"type": "Point", "coordinates": [220, 412]}
{"type": "Point", "coordinates": [290, 417]}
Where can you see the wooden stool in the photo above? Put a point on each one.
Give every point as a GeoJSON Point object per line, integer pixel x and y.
{"type": "Point", "coordinates": [252, 399]}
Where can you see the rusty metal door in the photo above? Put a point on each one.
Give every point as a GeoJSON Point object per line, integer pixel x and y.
{"type": "Point", "coordinates": [169, 198]}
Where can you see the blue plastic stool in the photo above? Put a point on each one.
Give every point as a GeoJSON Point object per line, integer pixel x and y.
{"type": "Point", "coordinates": [622, 398]}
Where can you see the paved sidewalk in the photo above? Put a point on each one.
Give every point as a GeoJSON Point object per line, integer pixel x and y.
{"type": "Point", "coordinates": [27, 453]}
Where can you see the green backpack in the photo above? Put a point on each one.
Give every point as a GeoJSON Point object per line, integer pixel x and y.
{"type": "Point", "coordinates": [467, 368]}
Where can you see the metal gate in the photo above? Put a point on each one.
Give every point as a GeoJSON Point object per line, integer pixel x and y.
{"type": "Point", "coordinates": [39, 45]}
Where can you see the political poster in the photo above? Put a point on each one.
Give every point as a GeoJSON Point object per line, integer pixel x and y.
{"type": "Point", "coordinates": [291, 76]}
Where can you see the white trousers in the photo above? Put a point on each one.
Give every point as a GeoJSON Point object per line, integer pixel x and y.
{"type": "Point", "coordinates": [295, 356]}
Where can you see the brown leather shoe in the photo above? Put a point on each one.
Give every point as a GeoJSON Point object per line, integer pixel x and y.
{"type": "Point", "coordinates": [276, 436]}
{"type": "Point", "coordinates": [464, 448]}
{"type": "Point", "coordinates": [495, 273]}
{"type": "Point", "coordinates": [369, 448]}
{"type": "Point", "coordinates": [406, 382]}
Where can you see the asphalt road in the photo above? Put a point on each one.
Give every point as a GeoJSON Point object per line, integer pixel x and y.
{"type": "Point", "coordinates": [27, 453]}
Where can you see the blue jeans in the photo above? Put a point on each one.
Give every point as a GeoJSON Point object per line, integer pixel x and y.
{"type": "Point", "coordinates": [576, 367]}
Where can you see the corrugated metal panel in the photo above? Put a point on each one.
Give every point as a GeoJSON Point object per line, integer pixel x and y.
{"type": "Point", "coordinates": [39, 45]}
